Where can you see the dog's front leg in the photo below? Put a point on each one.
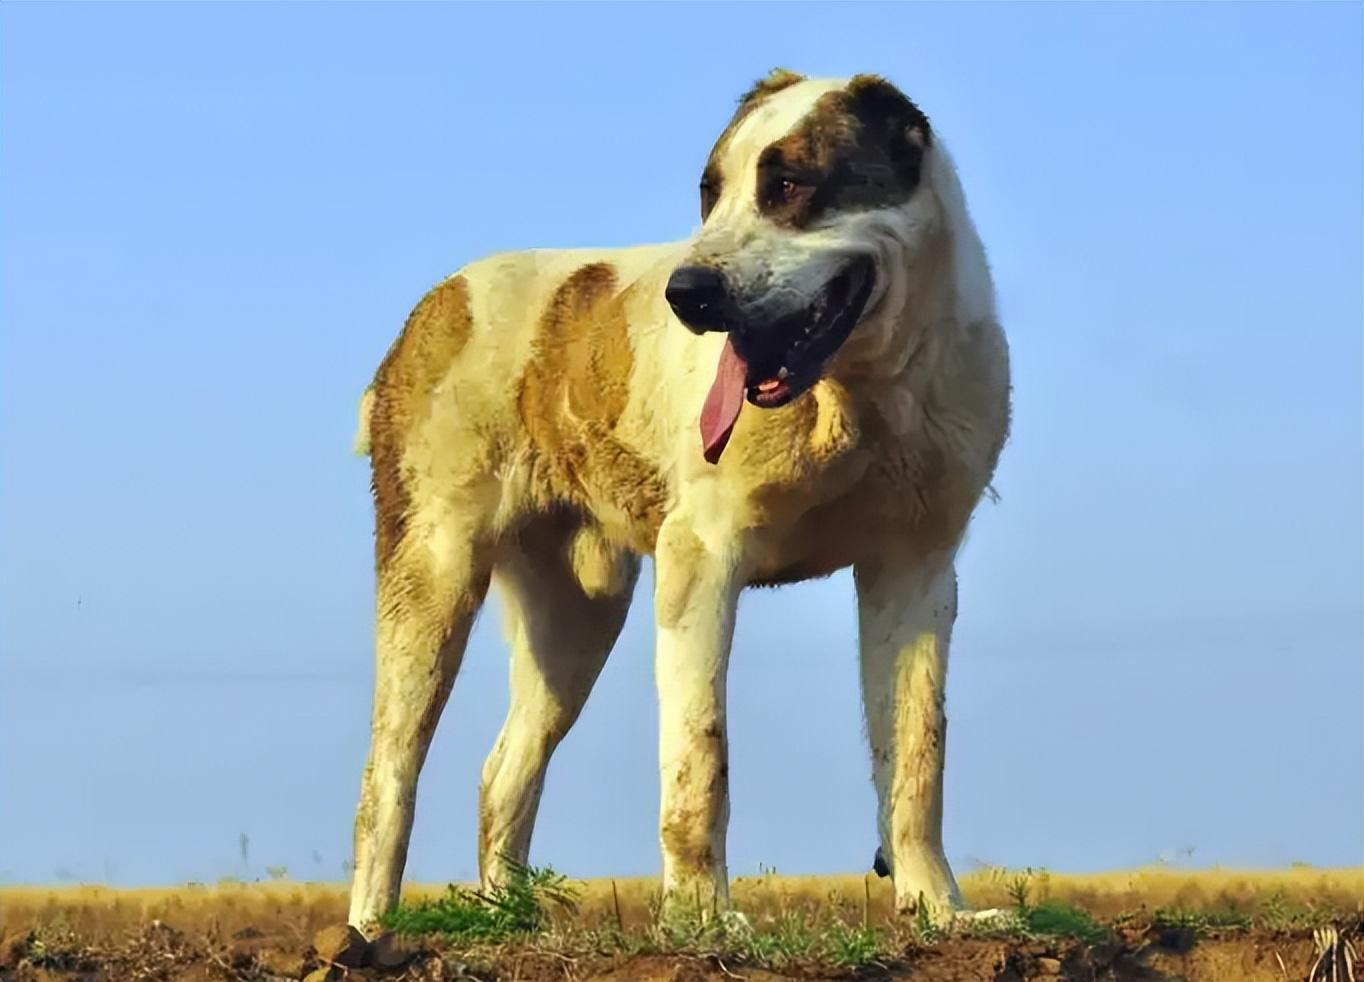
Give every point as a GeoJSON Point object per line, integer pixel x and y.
{"type": "Point", "coordinates": [906, 607]}
{"type": "Point", "coordinates": [694, 600]}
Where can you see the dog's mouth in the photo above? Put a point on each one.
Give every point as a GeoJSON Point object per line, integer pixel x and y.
{"type": "Point", "coordinates": [771, 366]}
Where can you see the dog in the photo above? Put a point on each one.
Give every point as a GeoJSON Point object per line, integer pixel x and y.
{"type": "Point", "coordinates": [816, 379]}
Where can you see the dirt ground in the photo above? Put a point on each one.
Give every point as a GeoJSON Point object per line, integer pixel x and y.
{"type": "Point", "coordinates": [161, 953]}
{"type": "Point", "coordinates": [271, 931]}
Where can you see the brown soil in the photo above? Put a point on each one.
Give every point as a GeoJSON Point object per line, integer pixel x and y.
{"type": "Point", "coordinates": [160, 952]}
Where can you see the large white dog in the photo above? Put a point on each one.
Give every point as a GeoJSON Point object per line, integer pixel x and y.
{"type": "Point", "coordinates": [817, 379]}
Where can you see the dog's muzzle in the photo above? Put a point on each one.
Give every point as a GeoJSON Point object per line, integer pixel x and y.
{"type": "Point", "coordinates": [778, 342]}
{"type": "Point", "coordinates": [783, 336]}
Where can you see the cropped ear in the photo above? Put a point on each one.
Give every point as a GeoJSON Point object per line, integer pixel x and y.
{"type": "Point", "coordinates": [878, 103]}
{"type": "Point", "coordinates": [774, 81]}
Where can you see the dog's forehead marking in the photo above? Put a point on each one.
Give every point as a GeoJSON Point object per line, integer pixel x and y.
{"type": "Point", "coordinates": [771, 120]}
{"type": "Point", "coordinates": [857, 144]}
{"type": "Point", "coordinates": [779, 113]}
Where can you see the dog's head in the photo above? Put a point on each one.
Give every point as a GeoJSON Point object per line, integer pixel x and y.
{"type": "Point", "coordinates": [811, 208]}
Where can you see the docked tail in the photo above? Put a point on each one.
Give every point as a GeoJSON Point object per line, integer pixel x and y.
{"type": "Point", "coordinates": [361, 444]}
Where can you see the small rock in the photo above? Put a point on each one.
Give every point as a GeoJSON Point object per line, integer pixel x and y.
{"type": "Point", "coordinates": [1049, 966]}
{"type": "Point", "coordinates": [341, 944]}
{"type": "Point", "coordinates": [276, 961]}
{"type": "Point", "coordinates": [391, 952]}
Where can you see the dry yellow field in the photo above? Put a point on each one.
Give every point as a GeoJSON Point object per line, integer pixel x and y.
{"type": "Point", "coordinates": [91, 910]}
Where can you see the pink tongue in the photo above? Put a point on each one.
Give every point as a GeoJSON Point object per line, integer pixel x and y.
{"type": "Point", "coordinates": [723, 403]}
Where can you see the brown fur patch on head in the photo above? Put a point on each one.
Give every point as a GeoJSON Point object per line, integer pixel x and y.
{"type": "Point", "coordinates": [773, 82]}
{"type": "Point", "coordinates": [435, 332]}
{"type": "Point", "coordinates": [860, 147]}
{"type": "Point", "coordinates": [572, 394]}
{"type": "Point", "coordinates": [874, 96]}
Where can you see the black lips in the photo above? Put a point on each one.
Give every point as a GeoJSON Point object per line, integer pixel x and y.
{"type": "Point", "coordinates": [794, 346]}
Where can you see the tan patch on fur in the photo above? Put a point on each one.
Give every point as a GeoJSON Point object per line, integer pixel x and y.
{"type": "Point", "coordinates": [579, 371]}
{"type": "Point", "coordinates": [834, 431]}
{"type": "Point", "coordinates": [435, 332]}
{"type": "Point", "coordinates": [801, 441]}
{"type": "Point", "coordinates": [572, 395]}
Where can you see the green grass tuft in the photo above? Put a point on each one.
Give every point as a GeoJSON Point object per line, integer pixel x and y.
{"type": "Point", "coordinates": [803, 936]}
{"type": "Point", "coordinates": [1061, 920]}
{"type": "Point", "coordinates": [853, 947]}
{"type": "Point", "coordinates": [1050, 918]}
{"type": "Point", "coordinates": [926, 930]}
{"type": "Point", "coordinates": [790, 938]}
{"type": "Point", "coordinates": [1200, 921]}
{"type": "Point", "coordinates": [517, 907]}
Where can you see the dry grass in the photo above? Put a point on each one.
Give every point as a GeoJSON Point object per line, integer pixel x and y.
{"type": "Point", "coordinates": [300, 909]}
{"type": "Point", "coordinates": [1108, 895]}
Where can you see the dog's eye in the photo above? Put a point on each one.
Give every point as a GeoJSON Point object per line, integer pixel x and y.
{"type": "Point", "coordinates": [787, 189]}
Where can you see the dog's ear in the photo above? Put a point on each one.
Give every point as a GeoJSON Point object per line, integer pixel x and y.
{"type": "Point", "coordinates": [880, 104]}
{"type": "Point", "coordinates": [774, 81]}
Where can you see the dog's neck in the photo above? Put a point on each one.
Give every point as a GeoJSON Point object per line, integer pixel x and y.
{"type": "Point", "coordinates": [928, 319]}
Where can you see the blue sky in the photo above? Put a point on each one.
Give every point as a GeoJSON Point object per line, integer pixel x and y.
{"type": "Point", "coordinates": [213, 220]}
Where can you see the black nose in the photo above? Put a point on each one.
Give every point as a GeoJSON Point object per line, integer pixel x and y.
{"type": "Point", "coordinates": [699, 296]}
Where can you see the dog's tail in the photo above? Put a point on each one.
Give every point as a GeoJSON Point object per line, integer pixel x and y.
{"type": "Point", "coordinates": [361, 444]}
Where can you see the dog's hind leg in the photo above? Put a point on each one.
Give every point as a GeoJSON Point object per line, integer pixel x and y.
{"type": "Point", "coordinates": [905, 615]}
{"type": "Point", "coordinates": [566, 594]}
{"type": "Point", "coordinates": [429, 590]}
